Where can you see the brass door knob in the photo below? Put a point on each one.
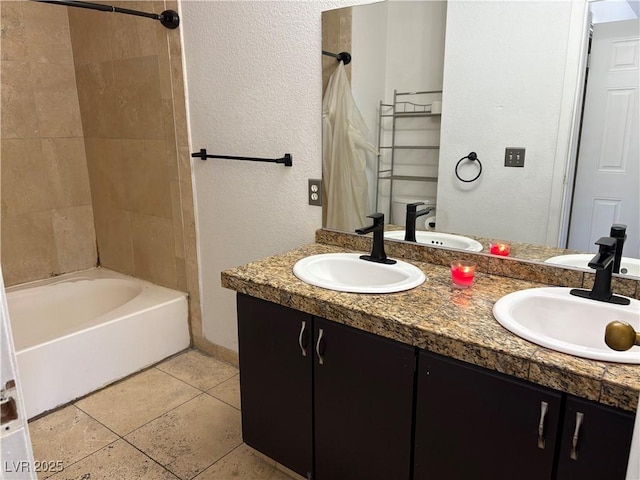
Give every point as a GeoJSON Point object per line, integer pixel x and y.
{"type": "Point", "coordinates": [621, 336]}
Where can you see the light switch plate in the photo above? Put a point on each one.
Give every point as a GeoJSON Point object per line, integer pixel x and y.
{"type": "Point", "coordinates": [514, 157]}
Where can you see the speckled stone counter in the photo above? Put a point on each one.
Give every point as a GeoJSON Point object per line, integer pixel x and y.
{"type": "Point", "coordinates": [439, 318]}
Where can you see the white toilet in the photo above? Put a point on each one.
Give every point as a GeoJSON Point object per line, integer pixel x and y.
{"type": "Point", "coordinates": [399, 211]}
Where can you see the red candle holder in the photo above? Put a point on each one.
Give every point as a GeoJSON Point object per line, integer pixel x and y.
{"type": "Point", "coordinates": [462, 274]}
{"type": "Point", "coordinates": [499, 248]}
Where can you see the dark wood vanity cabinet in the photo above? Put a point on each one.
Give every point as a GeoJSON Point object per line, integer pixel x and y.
{"type": "Point", "coordinates": [322, 398]}
{"type": "Point", "coordinates": [595, 441]}
{"type": "Point", "coordinates": [275, 384]}
{"type": "Point", "coordinates": [489, 425]}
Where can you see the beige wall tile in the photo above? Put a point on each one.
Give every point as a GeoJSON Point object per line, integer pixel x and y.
{"type": "Point", "coordinates": [89, 36]}
{"type": "Point", "coordinates": [145, 179]}
{"type": "Point", "coordinates": [75, 238]}
{"type": "Point", "coordinates": [28, 247]}
{"type": "Point", "coordinates": [25, 177]}
{"type": "Point", "coordinates": [98, 100]}
{"type": "Point", "coordinates": [176, 205]}
{"type": "Point", "coordinates": [113, 234]}
{"type": "Point", "coordinates": [12, 32]}
{"type": "Point", "coordinates": [138, 94]}
{"type": "Point", "coordinates": [153, 249]}
{"type": "Point", "coordinates": [69, 176]}
{"type": "Point", "coordinates": [56, 99]}
{"type": "Point", "coordinates": [179, 106]}
{"type": "Point", "coordinates": [18, 101]}
{"type": "Point", "coordinates": [105, 165]}
{"type": "Point", "coordinates": [47, 32]}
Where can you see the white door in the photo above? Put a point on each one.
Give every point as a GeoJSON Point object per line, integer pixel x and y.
{"type": "Point", "coordinates": [16, 454]}
{"type": "Point", "coordinates": [608, 171]}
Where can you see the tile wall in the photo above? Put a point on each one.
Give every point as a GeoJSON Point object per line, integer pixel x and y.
{"type": "Point", "coordinates": [47, 219]}
{"type": "Point", "coordinates": [95, 155]}
{"type": "Point", "coordinates": [336, 38]}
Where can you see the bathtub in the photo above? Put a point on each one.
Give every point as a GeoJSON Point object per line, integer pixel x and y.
{"type": "Point", "coordinates": [78, 332]}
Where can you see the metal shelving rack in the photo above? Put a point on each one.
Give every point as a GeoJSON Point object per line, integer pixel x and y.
{"type": "Point", "coordinates": [399, 110]}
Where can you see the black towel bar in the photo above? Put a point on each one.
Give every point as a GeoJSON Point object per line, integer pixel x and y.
{"type": "Point", "coordinates": [287, 161]}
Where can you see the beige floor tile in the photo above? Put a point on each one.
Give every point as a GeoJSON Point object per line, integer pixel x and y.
{"type": "Point", "coordinates": [198, 369]}
{"type": "Point", "coordinates": [129, 404]}
{"type": "Point", "coordinates": [191, 437]}
{"type": "Point", "coordinates": [242, 463]}
{"type": "Point", "coordinates": [228, 391]}
{"type": "Point", "coordinates": [67, 435]}
{"type": "Point", "coordinates": [116, 461]}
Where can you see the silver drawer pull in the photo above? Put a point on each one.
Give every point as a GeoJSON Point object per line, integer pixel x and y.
{"type": "Point", "coordinates": [320, 359]}
{"type": "Point", "coordinates": [576, 435]}
{"type": "Point", "coordinates": [302, 328]}
{"type": "Point", "coordinates": [544, 406]}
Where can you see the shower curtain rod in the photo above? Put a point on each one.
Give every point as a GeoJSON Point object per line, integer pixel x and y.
{"type": "Point", "coordinates": [344, 57]}
{"type": "Point", "coordinates": [168, 18]}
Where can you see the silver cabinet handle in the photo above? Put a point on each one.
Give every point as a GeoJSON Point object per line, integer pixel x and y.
{"type": "Point", "coordinates": [302, 329]}
{"type": "Point", "coordinates": [320, 359]}
{"type": "Point", "coordinates": [576, 435]}
{"type": "Point", "coordinates": [544, 406]}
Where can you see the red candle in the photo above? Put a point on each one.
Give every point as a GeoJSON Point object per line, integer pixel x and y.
{"type": "Point", "coordinates": [462, 274]}
{"type": "Point", "coordinates": [498, 248]}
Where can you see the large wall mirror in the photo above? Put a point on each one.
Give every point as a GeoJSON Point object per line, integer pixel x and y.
{"type": "Point", "coordinates": [500, 74]}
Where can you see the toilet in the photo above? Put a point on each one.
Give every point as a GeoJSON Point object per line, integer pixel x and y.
{"type": "Point", "coordinates": [399, 211]}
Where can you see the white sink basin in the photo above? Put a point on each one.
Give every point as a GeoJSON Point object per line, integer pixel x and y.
{"type": "Point", "coordinates": [553, 318]}
{"type": "Point", "coordinates": [628, 266]}
{"type": "Point", "coordinates": [347, 272]}
{"type": "Point", "coordinates": [439, 240]}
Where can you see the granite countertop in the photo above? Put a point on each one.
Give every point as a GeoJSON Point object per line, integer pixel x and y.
{"type": "Point", "coordinates": [455, 323]}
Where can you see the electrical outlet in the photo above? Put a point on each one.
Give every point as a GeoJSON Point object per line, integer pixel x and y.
{"type": "Point", "coordinates": [315, 192]}
{"type": "Point", "coordinates": [514, 157]}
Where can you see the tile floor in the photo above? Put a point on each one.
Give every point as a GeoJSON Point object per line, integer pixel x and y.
{"type": "Point", "coordinates": [177, 420]}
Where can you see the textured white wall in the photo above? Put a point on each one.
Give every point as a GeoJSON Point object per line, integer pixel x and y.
{"type": "Point", "coordinates": [254, 89]}
{"type": "Point", "coordinates": [510, 76]}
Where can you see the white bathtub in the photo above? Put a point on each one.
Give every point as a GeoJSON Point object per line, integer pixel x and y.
{"type": "Point", "coordinates": [78, 332]}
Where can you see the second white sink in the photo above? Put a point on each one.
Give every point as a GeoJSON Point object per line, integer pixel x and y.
{"type": "Point", "coordinates": [628, 266]}
{"type": "Point", "coordinates": [438, 239]}
{"type": "Point", "coordinates": [347, 272]}
{"type": "Point", "coordinates": [555, 319]}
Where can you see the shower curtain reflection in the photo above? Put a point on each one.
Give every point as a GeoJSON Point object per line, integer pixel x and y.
{"type": "Point", "coordinates": [345, 143]}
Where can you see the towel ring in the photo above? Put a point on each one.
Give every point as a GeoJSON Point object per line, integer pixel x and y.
{"type": "Point", "coordinates": [473, 157]}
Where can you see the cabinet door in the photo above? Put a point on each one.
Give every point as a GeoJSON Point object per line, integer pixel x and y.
{"type": "Point", "coordinates": [363, 404]}
{"type": "Point", "coordinates": [474, 424]}
{"type": "Point", "coordinates": [595, 441]}
{"type": "Point", "coordinates": [275, 381]}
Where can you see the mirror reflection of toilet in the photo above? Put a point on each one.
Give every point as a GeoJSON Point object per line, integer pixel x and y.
{"type": "Point", "coordinates": [399, 211]}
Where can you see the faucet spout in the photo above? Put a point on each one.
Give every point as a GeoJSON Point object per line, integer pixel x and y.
{"type": "Point", "coordinates": [602, 262]}
{"type": "Point", "coordinates": [412, 215]}
{"type": "Point", "coordinates": [378, 254]}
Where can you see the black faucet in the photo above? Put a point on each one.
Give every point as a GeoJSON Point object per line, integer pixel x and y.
{"type": "Point", "coordinates": [603, 264]}
{"type": "Point", "coordinates": [377, 251]}
{"type": "Point", "coordinates": [412, 215]}
{"type": "Point", "coordinates": [619, 232]}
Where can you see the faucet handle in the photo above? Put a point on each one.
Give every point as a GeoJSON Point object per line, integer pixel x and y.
{"type": "Point", "coordinates": [606, 244]}
{"type": "Point", "coordinates": [618, 230]}
{"type": "Point", "coordinates": [378, 218]}
{"type": "Point", "coordinates": [413, 207]}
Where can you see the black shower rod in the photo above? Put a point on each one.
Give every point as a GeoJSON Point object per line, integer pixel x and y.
{"type": "Point", "coordinates": [168, 18]}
